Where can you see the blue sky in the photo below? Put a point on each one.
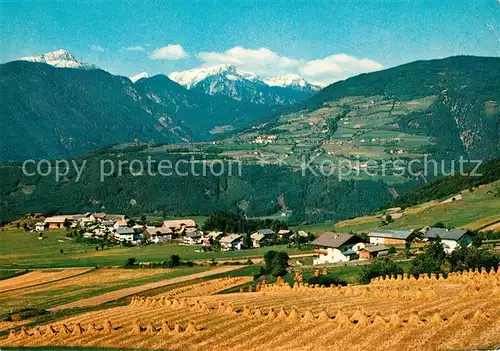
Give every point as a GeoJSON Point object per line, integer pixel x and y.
{"type": "Point", "coordinates": [322, 40]}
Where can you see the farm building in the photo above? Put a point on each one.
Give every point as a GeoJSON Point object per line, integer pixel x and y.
{"type": "Point", "coordinates": [159, 235]}
{"type": "Point", "coordinates": [370, 252]}
{"type": "Point", "coordinates": [211, 237]}
{"type": "Point", "coordinates": [179, 225]}
{"type": "Point", "coordinates": [337, 247]}
{"type": "Point", "coordinates": [192, 236]}
{"type": "Point", "coordinates": [301, 235]}
{"type": "Point", "coordinates": [120, 223]}
{"type": "Point", "coordinates": [260, 236]}
{"type": "Point", "coordinates": [257, 239]}
{"type": "Point", "coordinates": [55, 222]}
{"type": "Point", "coordinates": [284, 233]}
{"type": "Point", "coordinates": [450, 238]}
{"type": "Point", "coordinates": [231, 242]}
{"type": "Point", "coordinates": [266, 232]}
{"type": "Point", "coordinates": [391, 237]}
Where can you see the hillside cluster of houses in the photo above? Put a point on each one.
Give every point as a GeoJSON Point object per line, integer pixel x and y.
{"type": "Point", "coordinates": [338, 247]}
{"type": "Point", "coordinates": [118, 228]}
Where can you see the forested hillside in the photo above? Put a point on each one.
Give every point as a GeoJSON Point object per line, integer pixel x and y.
{"type": "Point", "coordinates": [65, 112]}
{"type": "Point", "coordinates": [60, 112]}
{"type": "Point", "coordinates": [258, 191]}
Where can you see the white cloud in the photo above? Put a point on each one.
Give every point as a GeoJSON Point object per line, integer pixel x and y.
{"type": "Point", "coordinates": [135, 48]}
{"type": "Point", "coordinates": [337, 67]}
{"type": "Point", "coordinates": [261, 61]}
{"type": "Point", "coordinates": [97, 48]}
{"type": "Point", "coordinates": [267, 63]}
{"type": "Point", "coordinates": [169, 52]}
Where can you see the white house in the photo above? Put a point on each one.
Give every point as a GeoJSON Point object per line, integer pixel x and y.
{"type": "Point", "coordinates": [337, 247]}
{"type": "Point", "coordinates": [127, 234]}
{"type": "Point", "coordinates": [450, 238]}
{"type": "Point", "coordinates": [40, 226]}
{"type": "Point", "coordinates": [231, 242]}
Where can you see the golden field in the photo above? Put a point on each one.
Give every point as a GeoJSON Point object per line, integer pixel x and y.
{"type": "Point", "coordinates": [73, 287]}
{"type": "Point", "coordinates": [460, 312]}
{"type": "Point", "coordinates": [39, 277]}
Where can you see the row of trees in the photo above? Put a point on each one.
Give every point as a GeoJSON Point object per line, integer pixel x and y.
{"type": "Point", "coordinates": [236, 223]}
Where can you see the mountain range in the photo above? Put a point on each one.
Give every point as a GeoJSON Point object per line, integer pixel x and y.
{"type": "Point", "coordinates": [447, 108]}
{"type": "Point", "coordinates": [59, 58]}
{"type": "Point", "coordinates": [67, 107]}
{"type": "Point", "coordinates": [61, 112]}
{"type": "Point", "coordinates": [228, 80]}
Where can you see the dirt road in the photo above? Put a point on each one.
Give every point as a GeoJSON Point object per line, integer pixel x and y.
{"type": "Point", "coordinates": [118, 294]}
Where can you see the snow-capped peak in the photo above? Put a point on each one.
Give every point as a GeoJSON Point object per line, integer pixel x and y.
{"type": "Point", "coordinates": [192, 77]}
{"type": "Point", "coordinates": [138, 76]}
{"type": "Point", "coordinates": [59, 58]}
{"type": "Point", "coordinates": [289, 80]}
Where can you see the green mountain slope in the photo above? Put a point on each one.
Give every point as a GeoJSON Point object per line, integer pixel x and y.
{"type": "Point", "coordinates": [62, 112]}
{"type": "Point", "coordinates": [52, 112]}
{"type": "Point", "coordinates": [464, 119]}
{"type": "Point", "coordinates": [203, 114]}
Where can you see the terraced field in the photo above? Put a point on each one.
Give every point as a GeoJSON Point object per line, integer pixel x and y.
{"type": "Point", "coordinates": [460, 312]}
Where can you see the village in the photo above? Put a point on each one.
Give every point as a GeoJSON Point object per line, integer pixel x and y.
{"type": "Point", "coordinates": [330, 247]}
{"type": "Point", "coordinates": [122, 229]}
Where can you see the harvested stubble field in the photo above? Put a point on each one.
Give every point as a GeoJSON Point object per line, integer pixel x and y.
{"type": "Point", "coordinates": [209, 287]}
{"type": "Point", "coordinates": [461, 312]}
{"type": "Point", "coordinates": [74, 288]}
{"type": "Point", "coordinates": [39, 277]}
{"type": "Point", "coordinates": [118, 294]}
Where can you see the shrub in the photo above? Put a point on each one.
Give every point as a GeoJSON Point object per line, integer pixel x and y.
{"type": "Point", "coordinates": [431, 261]}
{"type": "Point", "coordinates": [379, 267]}
{"type": "Point", "coordinates": [472, 257]}
{"type": "Point", "coordinates": [130, 262]}
{"type": "Point", "coordinates": [326, 280]}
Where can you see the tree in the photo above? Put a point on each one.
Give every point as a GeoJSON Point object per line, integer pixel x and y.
{"type": "Point", "coordinates": [472, 257]}
{"type": "Point", "coordinates": [67, 223]}
{"type": "Point", "coordinates": [276, 263]}
{"type": "Point", "coordinates": [247, 241]}
{"type": "Point", "coordinates": [431, 261]}
{"type": "Point", "coordinates": [332, 126]}
{"type": "Point", "coordinates": [407, 249]}
{"type": "Point", "coordinates": [439, 225]}
{"type": "Point", "coordinates": [175, 260]}
{"type": "Point", "coordinates": [130, 262]}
